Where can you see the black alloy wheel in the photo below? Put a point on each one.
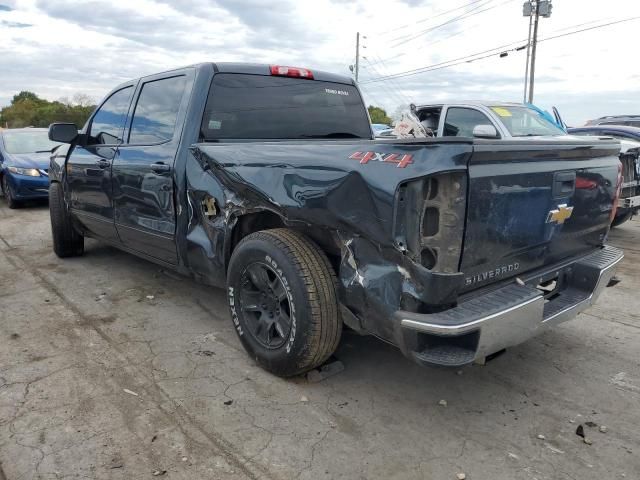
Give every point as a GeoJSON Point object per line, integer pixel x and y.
{"type": "Point", "coordinates": [264, 298]}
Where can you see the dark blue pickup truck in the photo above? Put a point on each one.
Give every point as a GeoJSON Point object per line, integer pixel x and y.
{"type": "Point", "coordinates": [266, 180]}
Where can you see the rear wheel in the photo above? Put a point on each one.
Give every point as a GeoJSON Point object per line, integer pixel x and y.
{"type": "Point", "coordinates": [9, 196]}
{"type": "Point", "coordinates": [282, 295]}
{"type": "Point", "coordinates": [67, 242]}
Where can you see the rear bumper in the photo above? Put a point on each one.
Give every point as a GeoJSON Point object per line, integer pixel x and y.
{"type": "Point", "coordinates": [505, 317]}
{"type": "Point", "coordinates": [629, 202]}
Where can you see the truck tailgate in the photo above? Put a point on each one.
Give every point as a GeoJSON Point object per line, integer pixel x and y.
{"type": "Point", "coordinates": [532, 204]}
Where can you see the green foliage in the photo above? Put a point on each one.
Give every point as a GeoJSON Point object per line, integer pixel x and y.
{"type": "Point", "coordinates": [378, 115]}
{"type": "Point", "coordinates": [29, 110]}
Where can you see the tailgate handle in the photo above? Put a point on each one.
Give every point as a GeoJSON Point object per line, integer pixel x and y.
{"type": "Point", "coordinates": [564, 184]}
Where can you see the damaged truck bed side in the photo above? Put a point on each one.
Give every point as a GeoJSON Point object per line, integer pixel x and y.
{"type": "Point", "coordinates": [266, 181]}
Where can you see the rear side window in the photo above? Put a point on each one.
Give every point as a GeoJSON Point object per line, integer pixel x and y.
{"type": "Point", "coordinates": [154, 119]}
{"type": "Point", "coordinates": [268, 107]}
{"type": "Point", "coordinates": [108, 122]}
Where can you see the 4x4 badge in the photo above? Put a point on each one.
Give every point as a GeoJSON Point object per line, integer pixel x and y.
{"type": "Point", "coordinates": [400, 160]}
{"type": "Point", "coordinates": [560, 214]}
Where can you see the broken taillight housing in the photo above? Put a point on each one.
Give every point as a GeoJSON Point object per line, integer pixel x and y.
{"type": "Point", "coordinates": [616, 197]}
{"type": "Point", "coordinates": [295, 72]}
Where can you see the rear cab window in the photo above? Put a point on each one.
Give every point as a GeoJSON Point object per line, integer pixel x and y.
{"type": "Point", "coordinates": [244, 106]}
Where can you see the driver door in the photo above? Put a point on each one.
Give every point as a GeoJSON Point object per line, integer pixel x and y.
{"type": "Point", "coordinates": [89, 166]}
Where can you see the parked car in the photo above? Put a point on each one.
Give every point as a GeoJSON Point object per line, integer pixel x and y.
{"type": "Point", "coordinates": [379, 127]}
{"type": "Point", "coordinates": [484, 119]}
{"type": "Point", "coordinates": [24, 164]}
{"type": "Point", "coordinates": [620, 132]}
{"type": "Point", "coordinates": [629, 137]}
{"type": "Point", "coordinates": [628, 120]}
{"type": "Point", "coordinates": [266, 180]}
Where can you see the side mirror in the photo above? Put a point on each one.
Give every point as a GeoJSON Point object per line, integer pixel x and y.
{"type": "Point", "coordinates": [63, 132]}
{"type": "Point", "coordinates": [485, 131]}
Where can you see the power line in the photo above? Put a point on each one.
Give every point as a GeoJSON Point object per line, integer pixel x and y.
{"type": "Point", "coordinates": [386, 86]}
{"type": "Point", "coordinates": [474, 11]}
{"type": "Point", "coordinates": [590, 28]}
{"type": "Point", "coordinates": [495, 51]}
{"type": "Point", "coordinates": [429, 67]}
{"type": "Point", "coordinates": [386, 32]}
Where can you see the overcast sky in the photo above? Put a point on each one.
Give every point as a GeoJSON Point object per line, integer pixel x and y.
{"type": "Point", "coordinates": [60, 47]}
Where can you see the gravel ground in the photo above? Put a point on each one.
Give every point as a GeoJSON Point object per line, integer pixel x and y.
{"type": "Point", "coordinates": [111, 367]}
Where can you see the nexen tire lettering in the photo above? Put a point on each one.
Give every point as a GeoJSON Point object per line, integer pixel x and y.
{"type": "Point", "coordinates": [234, 314]}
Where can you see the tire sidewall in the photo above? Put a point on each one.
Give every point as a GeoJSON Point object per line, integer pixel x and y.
{"type": "Point", "coordinates": [8, 194]}
{"type": "Point", "coordinates": [288, 358]}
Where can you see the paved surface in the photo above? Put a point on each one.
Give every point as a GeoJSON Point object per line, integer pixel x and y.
{"type": "Point", "coordinates": [113, 368]}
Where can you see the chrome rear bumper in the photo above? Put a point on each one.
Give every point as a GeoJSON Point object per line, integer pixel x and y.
{"type": "Point", "coordinates": [505, 317]}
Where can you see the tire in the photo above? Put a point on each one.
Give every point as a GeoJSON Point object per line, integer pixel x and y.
{"type": "Point", "coordinates": [300, 287]}
{"type": "Point", "coordinates": [67, 242]}
{"type": "Point", "coordinates": [8, 194]}
{"type": "Point", "coordinates": [621, 217]}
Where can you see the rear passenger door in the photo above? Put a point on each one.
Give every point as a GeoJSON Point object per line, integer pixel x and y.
{"type": "Point", "coordinates": [143, 173]}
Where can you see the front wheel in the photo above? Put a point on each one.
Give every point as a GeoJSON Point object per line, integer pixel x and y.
{"type": "Point", "coordinates": [67, 242]}
{"type": "Point", "coordinates": [8, 194]}
{"type": "Point", "coordinates": [282, 296]}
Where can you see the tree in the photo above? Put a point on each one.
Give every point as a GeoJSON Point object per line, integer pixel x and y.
{"type": "Point", "coordinates": [29, 110]}
{"type": "Point", "coordinates": [378, 115]}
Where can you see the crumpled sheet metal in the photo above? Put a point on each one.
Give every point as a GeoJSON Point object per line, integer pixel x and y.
{"type": "Point", "coordinates": [316, 185]}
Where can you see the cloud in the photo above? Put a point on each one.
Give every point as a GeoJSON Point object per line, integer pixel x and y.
{"type": "Point", "coordinates": [9, 24]}
{"type": "Point", "coordinates": [90, 46]}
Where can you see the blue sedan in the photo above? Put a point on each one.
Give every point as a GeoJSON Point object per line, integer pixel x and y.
{"type": "Point", "coordinates": [24, 164]}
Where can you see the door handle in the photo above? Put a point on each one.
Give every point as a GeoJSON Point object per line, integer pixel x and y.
{"type": "Point", "coordinates": [160, 168]}
{"type": "Point", "coordinates": [103, 163]}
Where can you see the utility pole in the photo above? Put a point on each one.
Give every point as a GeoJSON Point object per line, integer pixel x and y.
{"type": "Point", "coordinates": [526, 70]}
{"type": "Point", "coordinates": [534, 47]}
{"type": "Point", "coordinates": [533, 9]}
{"type": "Point", "coordinates": [357, 55]}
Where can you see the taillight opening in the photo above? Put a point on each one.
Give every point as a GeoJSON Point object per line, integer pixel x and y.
{"type": "Point", "coordinates": [294, 72]}
{"type": "Point", "coordinates": [616, 198]}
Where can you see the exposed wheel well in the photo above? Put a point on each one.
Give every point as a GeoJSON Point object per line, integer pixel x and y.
{"type": "Point", "coordinates": [253, 222]}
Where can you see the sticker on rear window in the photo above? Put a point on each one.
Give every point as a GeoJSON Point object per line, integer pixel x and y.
{"type": "Point", "coordinates": [336, 92]}
{"type": "Point", "coordinates": [215, 124]}
{"type": "Point", "coordinates": [503, 112]}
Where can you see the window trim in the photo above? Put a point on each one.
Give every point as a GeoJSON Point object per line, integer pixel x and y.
{"type": "Point", "coordinates": [124, 126]}
{"type": "Point", "coordinates": [139, 90]}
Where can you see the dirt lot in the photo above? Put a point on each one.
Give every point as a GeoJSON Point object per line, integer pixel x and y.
{"type": "Point", "coordinates": [111, 367]}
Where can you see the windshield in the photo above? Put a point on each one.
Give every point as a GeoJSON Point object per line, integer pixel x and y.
{"type": "Point", "coordinates": [27, 141]}
{"type": "Point", "coordinates": [268, 107]}
{"type": "Point", "coordinates": [525, 122]}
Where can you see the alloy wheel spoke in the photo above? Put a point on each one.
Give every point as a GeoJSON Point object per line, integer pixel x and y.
{"type": "Point", "coordinates": [259, 277]}
{"type": "Point", "coordinates": [279, 290]}
{"type": "Point", "coordinates": [251, 301]}
{"type": "Point", "coordinates": [283, 324]}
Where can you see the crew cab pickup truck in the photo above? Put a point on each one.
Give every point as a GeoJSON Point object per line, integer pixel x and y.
{"type": "Point", "coordinates": [266, 180]}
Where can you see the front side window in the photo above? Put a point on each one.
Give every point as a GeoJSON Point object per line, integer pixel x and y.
{"type": "Point", "coordinates": [460, 122]}
{"type": "Point", "coordinates": [525, 122]}
{"type": "Point", "coordinates": [108, 122]}
{"type": "Point", "coordinates": [244, 106]}
{"type": "Point", "coordinates": [35, 141]}
{"type": "Point", "coordinates": [154, 119]}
